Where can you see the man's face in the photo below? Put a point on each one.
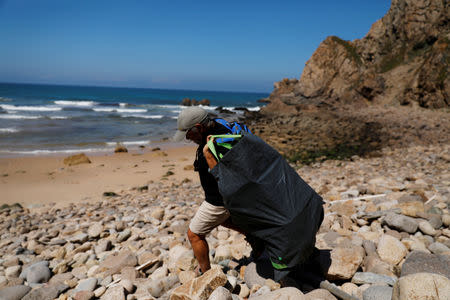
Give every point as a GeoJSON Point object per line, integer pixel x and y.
{"type": "Point", "coordinates": [195, 134]}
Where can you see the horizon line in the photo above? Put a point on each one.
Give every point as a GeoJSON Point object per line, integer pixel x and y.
{"type": "Point", "coordinates": [133, 87]}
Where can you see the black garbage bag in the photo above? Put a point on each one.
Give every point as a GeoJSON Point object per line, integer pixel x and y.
{"type": "Point", "coordinates": [268, 200]}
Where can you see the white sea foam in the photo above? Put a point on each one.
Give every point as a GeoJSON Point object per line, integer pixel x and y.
{"type": "Point", "coordinates": [131, 110]}
{"type": "Point", "coordinates": [143, 116]}
{"type": "Point", "coordinates": [9, 130]}
{"type": "Point", "coordinates": [58, 117]}
{"type": "Point", "coordinates": [123, 104]}
{"type": "Point", "coordinates": [119, 110]}
{"type": "Point", "coordinates": [129, 143]}
{"type": "Point", "coordinates": [228, 107]}
{"type": "Point", "coordinates": [104, 109]}
{"type": "Point", "coordinates": [4, 116]}
{"type": "Point", "coordinates": [170, 106]}
{"type": "Point", "coordinates": [75, 103]}
{"type": "Point", "coordinates": [29, 108]}
{"type": "Point", "coordinates": [49, 152]}
{"type": "Point", "coordinates": [256, 108]}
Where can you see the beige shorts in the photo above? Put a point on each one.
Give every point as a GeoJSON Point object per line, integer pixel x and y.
{"type": "Point", "coordinates": [207, 218]}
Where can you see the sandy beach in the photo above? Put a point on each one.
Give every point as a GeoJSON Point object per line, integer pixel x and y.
{"type": "Point", "coordinates": [36, 180]}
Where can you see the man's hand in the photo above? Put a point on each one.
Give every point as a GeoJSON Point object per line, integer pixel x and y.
{"type": "Point", "coordinates": [210, 159]}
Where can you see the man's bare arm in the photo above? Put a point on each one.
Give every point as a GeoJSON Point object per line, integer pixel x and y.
{"type": "Point", "coordinates": [210, 159]}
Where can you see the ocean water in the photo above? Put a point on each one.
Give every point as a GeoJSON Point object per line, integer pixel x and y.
{"type": "Point", "coordinates": [54, 119]}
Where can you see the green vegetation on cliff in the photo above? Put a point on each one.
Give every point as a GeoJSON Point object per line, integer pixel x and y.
{"type": "Point", "coordinates": [351, 50]}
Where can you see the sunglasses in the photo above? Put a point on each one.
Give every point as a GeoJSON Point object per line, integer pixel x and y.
{"type": "Point", "coordinates": [192, 131]}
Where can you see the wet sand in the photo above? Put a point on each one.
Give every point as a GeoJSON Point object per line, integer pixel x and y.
{"type": "Point", "coordinates": [36, 180]}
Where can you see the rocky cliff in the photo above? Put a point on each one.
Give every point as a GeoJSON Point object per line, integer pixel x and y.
{"type": "Point", "coordinates": [403, 59]}
{"type": "Point", "coordinates": [357, 97]}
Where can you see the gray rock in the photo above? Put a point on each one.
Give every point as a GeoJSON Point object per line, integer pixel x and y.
{"type": "Point", "coordinates": [419, 262]}
{"type": "Point", "coordinates": [124, 235]}
{"type": "Point", "coordinates": [157, 287]}
{"type": "Point", "coordinates": [79, 238]}
{"type": "Point", "coordinates": [116, 292]}
{"type": "Point", "coordinates": [426, 227]}
{"type": "Point", "coordinates": [446, 220]}
{"type": "Point", "coordinates": [127, 285]}
{"type": "Point", "coordinates": [264, 290]}
{"type": "Point", "coordinates": [114, 263]}
{"type": "Point", "coordinates": [3, 281]}
{"type": "Point", "coordinates": [284, 293]}
{"type": "Point", "coordinates": [435, 221]}
{"type": "Point", "coordinates": [13, 271]}
{"type": "Point", "coordinates": [100, 291]}
{"type": "Point", "coordinates": [421, 286]}
{"type": "Point", "coordinates": [220, 293]}
{"type": "Point", "coordinates": [157, 213]}
{"type": "Point", "coordinates": [83, 295]}
{"type": "Point", "coordinates": [391, 250]}
{"type": "Point", "coordinates": [48, 292]}
{"type": "Point", "coordinates": [330, 238]}
{"type": "Point", "coordinates": [410, 198]}
{"type": "Point", "coordinates": [87, 285]}
{"type": "Point", "coordinates": [232, 282]}
{"type": "Point", "coordinates": [37, 273]}
{"type": "Point", "coordinates": [372, 278]}
{"type": "Point", "coordinates": [320, 294]}
{"type": "Point", "coordinates": [252, 277]}
{"type": "Point", "coordinates": [61, 278]}
{"type": "Point", "coordinates": [345, 262]}
{"type": "Point", "coordinates": [13, 261]}
{"type": "Point", "coordinates": [378, 293]}
{"type": "Point", "coordinates": [14, 292]}
{"type": "Point", "coordinates": [438, 248]}
{"type": "Point", "coordinates": [370, 247]}
{"type": "Point", "coordinates": [103, 245]}
{"type": "Point", "coordinates": [400, 222]}
{"type": "Point", "coordinates": [95, 230]}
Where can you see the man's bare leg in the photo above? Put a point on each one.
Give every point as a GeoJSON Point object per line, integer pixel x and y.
{"type": "Point", "coordinates": [201, 250]}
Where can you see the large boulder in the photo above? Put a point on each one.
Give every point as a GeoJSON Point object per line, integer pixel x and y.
{"type": "Point", "coordinates": [401, 223]}
{"type": "Point", "coordinates": [116, 292]}
{"type": "Point", "coordinates": [177, 254]}
{"type": "Point", "coordinates": [37, 273]}
{"type": "Point", "coordinates": [391, 250]}
{"type": "Point", "coordinates": [48, 292]}
{"type": "Point", "coordinates": [14, 292]}
{"type": "Point", "coordinates": [200, 287]}
{"type": "Point", "coordinates": [345, 262]}
{"type": "Point", "coordinates": [372, 278]}
{"type": "Point", "coordinates": [288, 293]}
{"type": "Point", "coordinates": [254, 275]}
{"type": "Point", "coordinates": [418, 262]}
{"type": "Point", "coordinates": [422, 286]}
{"type": "Point", "coordinates": [320, 294]}
{"type": "Point", "coordinates": [114, 263]}
{"type": "Point", "coordinates": [378, 292]}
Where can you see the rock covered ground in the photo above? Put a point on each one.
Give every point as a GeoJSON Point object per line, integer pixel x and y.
{"type": "Point", "coordinates": [306, 133]}
{"type": "Point", "coordinates": [395, 244]}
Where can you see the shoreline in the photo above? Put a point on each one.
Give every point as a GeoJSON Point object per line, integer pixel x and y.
{"type": "Point", "coordinates": [43, 179]}
{"type": "Point", "coordinates": [99, 149]}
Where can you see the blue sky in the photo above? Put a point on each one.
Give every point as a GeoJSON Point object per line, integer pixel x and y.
{"type": "Point", "coordinates": [201, 45]}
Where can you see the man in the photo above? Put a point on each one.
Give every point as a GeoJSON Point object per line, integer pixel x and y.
{"type": "Point", "coordinates": [267, 200]}
{"type": "Point", "coordinates": [195, 125]}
